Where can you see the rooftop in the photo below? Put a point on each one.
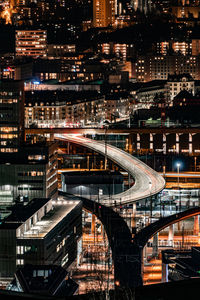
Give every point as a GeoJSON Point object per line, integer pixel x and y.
{"type": "Point", "coordinates": [20, 212]}
{"type": "Point", "coordinates": [51, 219]}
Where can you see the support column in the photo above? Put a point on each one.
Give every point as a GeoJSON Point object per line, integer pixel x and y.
{"type": "Point", "coordinates": [151, 141]}
{"type": "Point", "coordinates": [51, 137]}
{"type": "Point", "coordinates": [171, 235]}
{"type": "Point", "coordinates": [177, 143]}
{"type": "Point", "coordinates": [134, 216]}
{"type": "Point", "coordinates": [190, 143]}
{"type": "Point", "coordinates": [130, 143]}
{"type": "Point", "coordinates": [138, 141]}
{"type": "Point", "coordinates": [88, 162]}
{"type": "Point", "coordinates": [155, 245]}
{"type": "Point", "coordinates": [164, 272]}
{"type": "Point", "coordinates": [164, 144]}
{"type": "Point", "coordinates": [93, 224]}
{"type": "Point", "coordinates": [196, 225]}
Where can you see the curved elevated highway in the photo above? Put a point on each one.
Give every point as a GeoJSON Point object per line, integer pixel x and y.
{"type": "Point", "coordinates": [142, 237]}
{"type": "Point", "coordinates": [147, 181]}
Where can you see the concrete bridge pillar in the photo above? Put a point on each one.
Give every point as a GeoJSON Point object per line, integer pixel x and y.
{"type": "Point", "coordinates": [171, 234]}
{"type": "Point", "coordinates": [138, 141]}
{"type": "Point", "coordinates": [93, 224]}
{"type": "Point", "coordinates": [155, 245]}
{"type": "Point", "coordinates": [51, 137]}
{"type": "Point", "coordinates": [196, 225]}
{"type": "Point", "coordinates": [164, 144]}
{"type": "Point", "coordinates": [134, 216]}
{"type": "Point", "coordinates": [177, 143]}
{"type": "Point", "coordinates": [151, 141]}
{"type": "Point", "coordinates": [164, 272]}
{"type": "Point", "coordinates": [190, 143]}
{"type": "Point", "coordinates": [130, 143]}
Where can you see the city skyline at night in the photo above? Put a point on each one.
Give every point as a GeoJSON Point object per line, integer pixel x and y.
{"type": "Point", "coordinates": [99, 149]}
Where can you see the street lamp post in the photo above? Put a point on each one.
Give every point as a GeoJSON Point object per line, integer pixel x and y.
{"type": "Point", "coordinates": [195, 163]}
{"type": "Point", "coordinates": [178, 172]}
{"type": "Point", "coordinates": [105, 147]}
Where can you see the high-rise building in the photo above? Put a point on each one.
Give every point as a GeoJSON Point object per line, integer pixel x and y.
{"type": "Point", "coordinates": [11, 115]}
{"type": "Point", "coordinates": [31, 43]}
{"type": "Point", "coordinates": [103, 13]}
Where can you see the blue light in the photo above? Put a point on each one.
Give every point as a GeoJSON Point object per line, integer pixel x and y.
{"type": "Point", "coordinates": [178, 165]}
{"type": "Point", "coordinates": [36, 82]}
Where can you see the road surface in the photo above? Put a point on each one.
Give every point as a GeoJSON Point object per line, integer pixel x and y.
{"type": "Point", "coordinates": [147, 181]}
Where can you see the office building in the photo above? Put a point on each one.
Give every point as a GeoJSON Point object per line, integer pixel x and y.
{"type": "Point", "coordinates": [31, 43]}
{"type": "Point", "coordinates": [40, 233]}
{"type": "Point", "coordinates": [11, 115]}
{"type": "Point", "coordinates": [30, 173]}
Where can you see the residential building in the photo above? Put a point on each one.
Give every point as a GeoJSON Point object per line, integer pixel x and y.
{"type": "Point", "coordinates": [179, 82]}
{"type": "Point", "coordinates": [31, 43]}
{"type": "Point", "coordinates": [60, 50]}
{"type": "Point", "coordinates": [147, 68]}
{"type": "Point", "coordinates": [103, 13]}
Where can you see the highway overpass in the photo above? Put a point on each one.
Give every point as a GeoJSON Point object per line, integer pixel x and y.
{"type": "Point", "coordinates": [142, 237]}
{"type": "Point", "coordinates": [147, 181]}
{"type": "Point", "coordinates": [161, 140]}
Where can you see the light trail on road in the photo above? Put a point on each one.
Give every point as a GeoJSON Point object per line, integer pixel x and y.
{"type": "Point", "coordinates": [147, 181]}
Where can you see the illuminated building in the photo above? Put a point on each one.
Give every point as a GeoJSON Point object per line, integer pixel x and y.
{"type": "Point", "coordinates": [195, 46]}
{"type": "Point", "coordinates": [124, 50]}
{"type": "Point", "coordinates": [31, 43]}
{"type": "Point", "coordinates": [177, 83]}
{"type": "Point", "coordinates": [63, 108]}
{"type": "Point", "coordinates": [40, 233]}
{"type": "Point", "coordinates": [56, 50]}
{"type": "Point", "coordinates": [186, 12]}
{"type": "Point", "coordinates": [45, 114]}
{"type": "Point", "coordinates": [182, 47]}
{"type": "Point", "coordinates": [149, 68]}
{"type": "Point", "coordinates": [30, 173]}
{"type": "Point", "coordinates": [16, 69]}
{"type": "Point", "coordinates": [11, 115]}
{"type": "Point", "coordinates": [103, 13]}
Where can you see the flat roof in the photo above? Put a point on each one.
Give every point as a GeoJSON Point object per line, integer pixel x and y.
{"type": "Point", "coordinates": [21, 213]}
{"type": "Point", "coordinates": [60, 210]}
